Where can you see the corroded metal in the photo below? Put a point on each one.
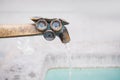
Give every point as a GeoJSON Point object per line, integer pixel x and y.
{"type": "Point", "coordinates": [35, 19]}
{"type": "Point", "coordinates": [64, 36]}
{"type": "Point", "coordinates": [17, 30]}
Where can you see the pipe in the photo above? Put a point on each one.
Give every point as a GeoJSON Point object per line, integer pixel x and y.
{"type": "Point", "coordinates": [49, 35]}
{"type": "Point", "coordinates": [17, 30]}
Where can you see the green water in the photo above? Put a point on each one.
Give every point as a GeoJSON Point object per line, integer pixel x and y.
{"type": "Point", "coordinates": [84, 74]}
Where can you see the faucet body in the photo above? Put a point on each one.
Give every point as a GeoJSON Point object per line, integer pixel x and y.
{"type": "Point", "coordinates": [49, 28]}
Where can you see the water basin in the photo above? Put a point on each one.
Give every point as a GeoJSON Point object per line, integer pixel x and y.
{"type": "Point", "coordinates": [84, 74]}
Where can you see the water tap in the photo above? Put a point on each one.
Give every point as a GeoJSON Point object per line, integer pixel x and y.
{"type": "Point", "coordinates": [49, 28]}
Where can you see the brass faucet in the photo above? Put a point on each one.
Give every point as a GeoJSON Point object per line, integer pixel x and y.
{"type": "Point", "coordinates": [49, 28]}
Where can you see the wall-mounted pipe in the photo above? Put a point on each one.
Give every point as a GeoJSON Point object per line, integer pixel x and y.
{"type": "Point", "coordinates": [49, 28]}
